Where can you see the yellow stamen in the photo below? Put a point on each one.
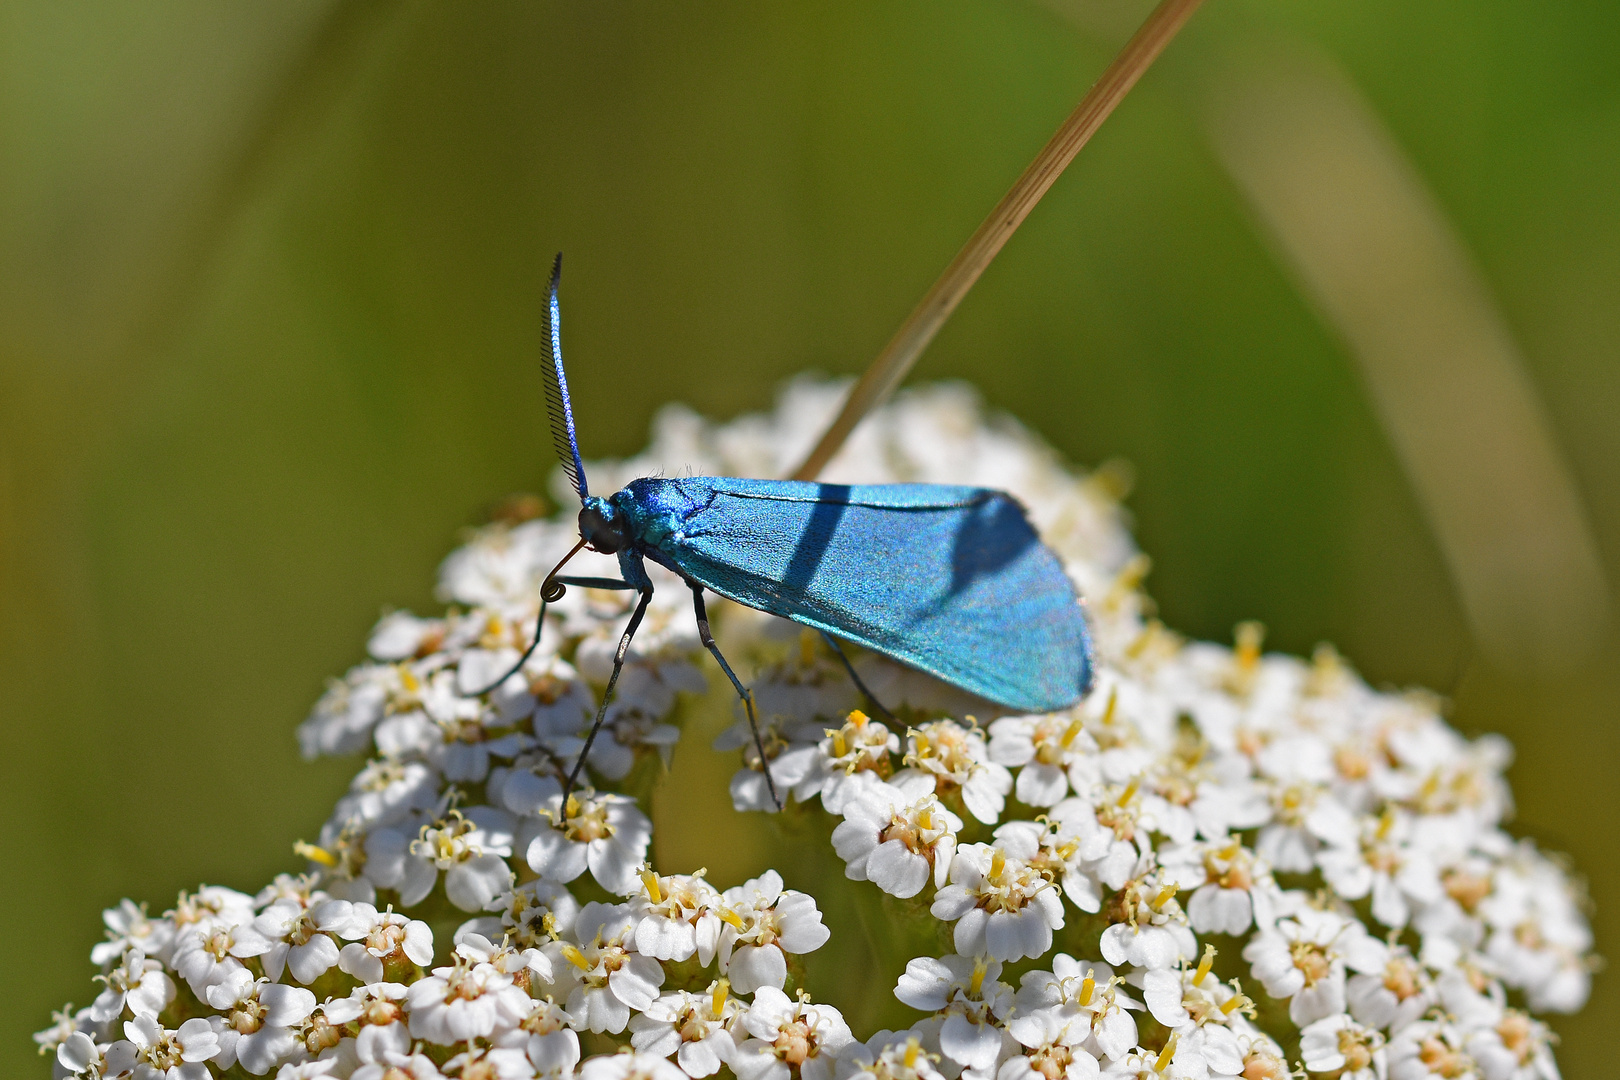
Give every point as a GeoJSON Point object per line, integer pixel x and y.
{"type": "Point", "coordinates": [1166, 1055]}
{"type": "Point", "coordinates": [979, 972]}
{"type": "Point", "coordinates": [731, 917]}
{"type": "Point", "coordinates": [1113, 702]}
{"type": "Point", "coordinates": [926, 818]}
{"type": "Point", "coordinates": [722, 990]}
{"type": "Point", "coordinates": [571, 808]}
{"type": "Point", "coordinates": [998, 863]}
{"type": "Point", "coordinates": [1250, 636]}
{"type": "Point", "coordinates": [913, 1052]}
{"type": "Point", "coordinates": [650, 880]}
{"type": "Point", "coordinates": [314, 854]}
{"type": "Point", "coordinates": [1165, 894]}
{"type": "Point", "coordinates": [839, 747]}
{"type": "Point", "coordinates": [1071, 732]}
{"type": "Point", "coordinates": [1204, 965]}
{"type": "Point", "coordinates": [1128, 794]}
{"type": "Point", "coordinates": [1386, 822]}
{"type": "Point", "coordinates": [1238, 1001]}
{"type": "Point", "coordinates": [575, 957]}
{"type": "Point", "coordinates": [858, 718]}
{"type": "Point", "coordinates": [1087, 988]}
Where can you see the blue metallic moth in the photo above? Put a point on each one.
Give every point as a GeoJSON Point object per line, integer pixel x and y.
{"type": "Point", "coordinates": [952, 581]}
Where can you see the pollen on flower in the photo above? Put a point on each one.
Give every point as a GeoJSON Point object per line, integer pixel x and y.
{"type": "Point", "coordinates": [1346, 840]}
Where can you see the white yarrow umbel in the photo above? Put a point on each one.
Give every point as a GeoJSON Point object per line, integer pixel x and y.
{"type": "Point", "coordinates": [1279, 869]}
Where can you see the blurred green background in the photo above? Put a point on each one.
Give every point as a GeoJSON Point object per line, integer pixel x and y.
{"type": "Point", "coordinates": [269, 280]}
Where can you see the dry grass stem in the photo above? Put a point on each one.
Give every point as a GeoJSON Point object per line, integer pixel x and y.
{"type": "Point", "coordinates": [908, 343]}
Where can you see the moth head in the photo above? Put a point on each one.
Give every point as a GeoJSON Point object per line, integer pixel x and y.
{"type": "Point", "coordinates": [603, 526]}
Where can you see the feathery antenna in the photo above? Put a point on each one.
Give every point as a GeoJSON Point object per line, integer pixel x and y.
{"type": "Point", "coordinates": [558, 408]}
{"type": "Point", "coordinates": [936, 306]}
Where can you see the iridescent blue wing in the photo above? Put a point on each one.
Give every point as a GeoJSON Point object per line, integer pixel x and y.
{"type": "Point", "coordinates": [951, 580]}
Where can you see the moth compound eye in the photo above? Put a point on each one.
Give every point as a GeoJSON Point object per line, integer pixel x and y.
{"type": "Point", "coordinates": [600, 530]}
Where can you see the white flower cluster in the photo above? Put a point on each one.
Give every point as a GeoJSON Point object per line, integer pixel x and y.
{"type": "Point", "coordinates": [1220, 864]}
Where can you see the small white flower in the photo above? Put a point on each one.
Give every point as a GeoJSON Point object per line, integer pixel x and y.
{"type": "Point", "coordinates": [524, 965]}
{"type": "Point", "coordinates": [1430, 1050]}
{"type": "Point", "coordinates": [630, 1067]}
{"type": "Point", "coordinates": [628, 732]}
{"type": "Point", "coordinates": [297, 937]}
{"type": "Point", "coordinates": [307, 1070]}
{"type": "Point", "coordinates": [973, 999]}
{"type": "Point", "coordinates": [495, 1063]}
{"type": "Point", "coordinates": [468, 999]}
{"type": "Point", "coordinates": [552, 1046]}
{"type": "Point", "coordinates": [860, 746]}
{"type": "Point", "coordinates": [150, 1051]}
{"type": "Point", "coordinates": [603, 976]}
{"type": "Point", "coordinates": [784, 1033]}
{"type": "Point", "coordinates": [1086, 997]}
{"type": "Point", "coordinates": [1003, 907]}
{"type": "Point", "coordinates": [1222, 875]}
{"type": "Point", "coordinates": [696, 1028]}
{"type": "Point", "coordinates": [210, 950]}
{"type": "Point", "coordinates": [888, 1055]}
{"type": "Point", "coordinates": [470, 848]}
{"type": "Point", "coordinates": [1178, 1060]}
{"type": "Point", "coordinates": [79, 1055]}
{"type": "Point", "coordinates": [1045, 750]}
{"type": "Point", "coordinates": [536, 912]}
{"type": "Point", "coordinates": [399, 635]}
{"type": "Point", "coordinates": [1148, 928]}
{"type": "Point", "coordinates": [1305, 817]}
{"type": "Point", "coordinates": [386, 792]}
{"type": "Point", "coordinates": [136, 983]}
{"type": "Point", "coordinates": [794, 757]}
{"type": "Point", "coordinates": [1382, 862]}
{"type": "Point", "coordinates": [897, 838]}
{"type": "Point", "coordinates": [675, 917]}
{"type": "Point", "coordinates": [343, 719]}
{"type": "Point", "coordinates": [958, 762]}
{"type": "Point", "coordinates": [381, 942]}
{"type": "Point", "coordinates": [1338, 1044]}
{"type": "Point", "coordinates": [1514, 1047]}
{"type": "Point", "coordinates": [606, 834]}
{"type": "Point", "coordinates": [379, 1010]}
{"type": "Point", "coordinates": [129, 927]}
{"type": "Point", "coordinates": [63, 1027]}
{"type": "Point", "coordinates": [1048, 1038]}
{"type": "Point", "coordinates": [258, 1017]}
{"type": "Point", "coordinates": [1395, 991]}
{"type": "Point", "coordinates": [399, 1065]}
{"type": "Point", "coordinates": [1303, 959]}
{"type": "Point", "coordinates": [763, 923]}
{"type": "Point", "coordinates": [1100, 838]}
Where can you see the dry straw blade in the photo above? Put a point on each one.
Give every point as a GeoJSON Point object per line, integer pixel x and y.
{"type": "Point", "coordinates": [908, 343]}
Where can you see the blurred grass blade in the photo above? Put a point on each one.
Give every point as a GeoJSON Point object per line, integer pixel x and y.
{"type": "Point", "coordinates": [908, 343]}
{"type": "Point", "coordinates": [331, 60]}
{"type": "Point", "coordinates": [1352, 218]}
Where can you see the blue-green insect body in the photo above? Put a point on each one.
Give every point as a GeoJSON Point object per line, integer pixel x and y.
{"type": "Point", "coordinates": [950, 580]}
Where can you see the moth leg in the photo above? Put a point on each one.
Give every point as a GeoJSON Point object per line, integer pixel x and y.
{"type": "Point", "coordinates": [550, 590]}
{"type": "Point", "coordinates": [607, 695]}
{"type": "Point", "coordinates": [598, 583]}
{"type": "Point", "coordinates": [871, 698]}
{"type": "Point", "coordinates": [747, 698]}
{"type": "Point", "coordinates": [539, 625]}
